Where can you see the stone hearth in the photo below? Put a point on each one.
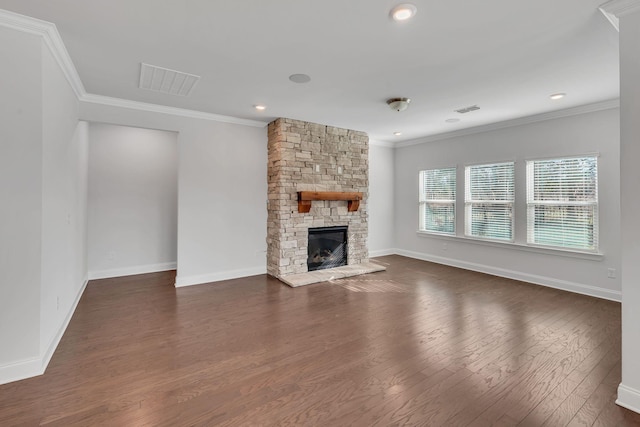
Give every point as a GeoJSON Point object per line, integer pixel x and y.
{"type": "Point", "coordinates": [311, 157]}
{"type": "Point", "coordinates": [295, 280]}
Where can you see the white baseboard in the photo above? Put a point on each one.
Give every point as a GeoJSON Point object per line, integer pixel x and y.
{"type": "Point", "coordinates": [218, 276]}
{"type": "Point", "coordinates": [382, 252]}
{"type": "Point", "coordinates": [517, 275]}
{"type": "Point", "coordinates": [37, 366]}
{"type": "Point", "coordinates": [628, 398]}
{"type": "Point", "coordinates": [130, 271]}
{"type": "Point", "coordinates": [63, 327]}
{"type": "Point", "coordinates": [21, 370]}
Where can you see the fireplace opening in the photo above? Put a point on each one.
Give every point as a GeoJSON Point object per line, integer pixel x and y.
{"type": "Point", "coordinates": [327, 247]}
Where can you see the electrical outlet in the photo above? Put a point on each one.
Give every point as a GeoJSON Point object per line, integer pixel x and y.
{"type": "Point", "coordinates": [317, 168]}
{"type": "Point", "coordinates": [444, 246]}
{"type": "Point", "coordinates": [57, 303]}
{"type": "Point", "coordinates": [111, 255]}
{"type": "Point", "coordinates": [611, 273]}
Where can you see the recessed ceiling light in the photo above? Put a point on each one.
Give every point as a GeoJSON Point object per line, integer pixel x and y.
{"type": "Point", "coordinates": [452, 120]}
{"type": "Point", "coordinates": [299, 78]}
{"type": "Point", "coordinates": [558, 95]}
{"type": "Point", "coordinates": [397, 133]}
{"type": "Point", "coordinates": [404, 11]}
{"type": "Point", "coordinates": [260, 107]}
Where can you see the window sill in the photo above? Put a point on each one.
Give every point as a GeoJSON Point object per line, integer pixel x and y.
{"type": "Point", "coordinates": [593, 256]}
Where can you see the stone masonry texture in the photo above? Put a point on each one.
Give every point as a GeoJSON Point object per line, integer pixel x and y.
{"type": "Point", "coordinates": [311, 157]}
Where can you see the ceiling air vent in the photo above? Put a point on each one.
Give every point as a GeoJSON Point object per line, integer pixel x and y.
{"type": "Point", "coordinates": [467, 109]}
{"type": "Point", "coordinates": [164, 80]}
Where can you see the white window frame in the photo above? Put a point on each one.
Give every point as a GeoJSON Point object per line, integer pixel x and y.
{"type": "Point", "coordinates": [470, 203]}
{"type": "Point", "coordinates": [531, 204]}
{"type": "Point", "coordinates": [424, 201]}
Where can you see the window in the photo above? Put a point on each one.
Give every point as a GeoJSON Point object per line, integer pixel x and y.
{"type": "Point", "coordinates": [438, 200]}
{"type": "Point", "coordinates": [489, 196]}
{"type": "Point", "coordinates": [562, 203]}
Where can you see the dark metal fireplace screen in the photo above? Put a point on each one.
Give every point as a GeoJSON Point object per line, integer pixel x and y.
{"type": "Point", "coordinates": [327, 247]}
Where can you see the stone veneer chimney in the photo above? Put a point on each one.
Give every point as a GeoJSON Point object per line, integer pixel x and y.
{"type": "Point", "coordinates": [311, 157]}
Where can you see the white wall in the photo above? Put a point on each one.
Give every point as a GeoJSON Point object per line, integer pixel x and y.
{"type": "Point", "coordinates": [43, 220]}
{"type": "Point", "coordinates": [64, 199]}
{"type": "Point", "coordinates": [133, 200]}
{"type": "Point", "coordinates": [222, 202]}
{"type": "Point", "coordinates": [20, 192]}
{"type": "Point", "coordinates": [222, 189]}
{"type": "Point", "coordinates": [596, 132]}
{"type": "Point", "coordinates": [381, 207]}
{"type": "Point", "coordinates": [629, 390]}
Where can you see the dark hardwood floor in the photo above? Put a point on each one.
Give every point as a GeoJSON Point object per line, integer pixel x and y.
{"type": "Point", "coordinates": [420, 344]}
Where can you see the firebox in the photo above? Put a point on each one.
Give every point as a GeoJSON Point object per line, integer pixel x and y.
{"type": "Point", "coordinates": [327, 247]}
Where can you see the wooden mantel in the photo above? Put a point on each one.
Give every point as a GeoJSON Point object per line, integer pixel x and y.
{"type": "Point", "coordinates": [305, 198]}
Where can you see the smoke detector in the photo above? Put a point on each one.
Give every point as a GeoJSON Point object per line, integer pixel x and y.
{"type": "Point", "coordinates": [398, 104]}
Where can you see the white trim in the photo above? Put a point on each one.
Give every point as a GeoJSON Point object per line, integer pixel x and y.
{"type": "Point", "coordinates": [516, 275]}
{"type": "Point", "coordinates": [613, 19]}
{"type": "Point", "coordinates": [54, 43]}
{"type": "Point", "coordinates": [130, 271]}
{"type": "Point", "coordinates": [218, 276]}
{"type": "Point", "coordinates": [620, 8]}
{"type": "Point", "coordinates": [614, 9]}
{"type": "Point", "coordinates": [583, 109]}
{"type": "Point", "coordinates": [21, 370]}
{"type": "Point", "coordinates": [37, 365]}
{"type": "Point", "coordinates": [382, 252]}
{"type": "Point", "coordinates": [378, 143]}
{"type": "Point", "coordinates": [55, 341]}
{"type": "Point", "coordinates": [628, 398]}
{"type": "Point", "coordinates": [563, 156]}
{"type": "Point", "coordinates": [163, 109]}
{"type": "Point", "coordinates": [547, 250]}
{"type": "Point", "coordinates": [52, 40]}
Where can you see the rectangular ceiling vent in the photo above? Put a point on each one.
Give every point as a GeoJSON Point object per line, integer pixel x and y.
{"type": "Point", "coordinates": [164, 80]}
{"type": "Point", "coordinates": [467, 109]}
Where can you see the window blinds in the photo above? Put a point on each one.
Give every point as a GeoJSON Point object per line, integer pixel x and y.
{"type": "Point", "coordinates": [562, 203]}
{"type": "Point", "coordinates": [489, 196]}
{"type": "Point", "coordinates": [438, 200]}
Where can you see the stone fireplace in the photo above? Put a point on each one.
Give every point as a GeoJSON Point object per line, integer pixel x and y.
{"type": "Point", "coordinates": [312, 159]}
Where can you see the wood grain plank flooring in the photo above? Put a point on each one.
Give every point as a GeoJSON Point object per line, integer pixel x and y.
{"type": "Point", "coordinates": [420, 344]}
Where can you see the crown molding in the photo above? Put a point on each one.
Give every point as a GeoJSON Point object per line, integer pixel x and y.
{"type": "Point", "coordinates": [582, 109]}
{"type": "Point", "coordinates": [378, 143]}
{"type": "Point", "coordinates": [163, 109]}
{"type": "Point", "coordinates": [620, 8]}
{"type": "Point", "coordinates": [54, 43]}
{"type": "Point", "coordinates": [52, 40]}
{"type": "Point", "coordinates": [614, 9]}
{"type": "Point", "coordinates": [613, 19]}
